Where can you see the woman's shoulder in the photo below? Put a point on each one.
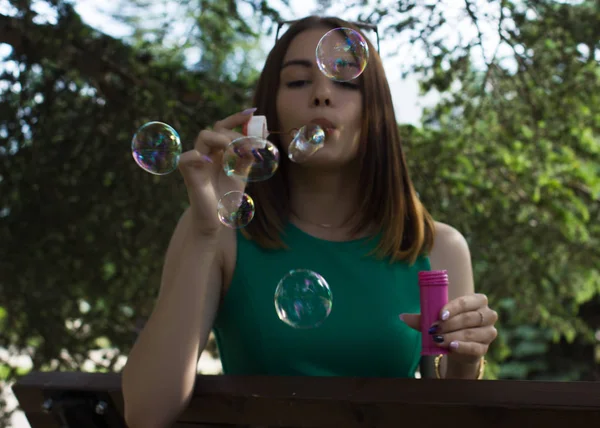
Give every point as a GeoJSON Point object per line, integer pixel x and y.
{"type": "Point", "coordinates": [451, 252]}
{"type": "Point", "coordinates": [448, 243]}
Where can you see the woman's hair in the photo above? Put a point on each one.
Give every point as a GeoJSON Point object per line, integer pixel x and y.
{"type": "Point", "coordinates": [388, 198]}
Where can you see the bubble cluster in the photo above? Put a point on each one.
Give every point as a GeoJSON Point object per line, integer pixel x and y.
{"type": "Point", "coordinates": [235, 209]}
{"type": "Point", "coordinates": [251, 159]}
{"type": "Point", "coordinates": [308, 140]}
{"type": "Point", "coordinates": [342, 54]}
{"type": "Point", "coordinates": [303, 299]}
{"type": "Point", "coordinates": [156, 148]}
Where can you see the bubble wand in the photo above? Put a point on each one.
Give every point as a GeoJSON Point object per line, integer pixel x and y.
{"type": "Point", "coordinates": [257, 127]}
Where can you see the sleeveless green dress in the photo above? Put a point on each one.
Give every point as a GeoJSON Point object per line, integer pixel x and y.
{"type": "Point", "coordinates": [362, 337]}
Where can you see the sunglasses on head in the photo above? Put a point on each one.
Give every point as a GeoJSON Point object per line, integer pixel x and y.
{"type": "Point", "coordinates": [362, 25]}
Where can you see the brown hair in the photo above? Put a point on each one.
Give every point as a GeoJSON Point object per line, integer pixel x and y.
{"type": "Point", "coordinates": [390, 200]}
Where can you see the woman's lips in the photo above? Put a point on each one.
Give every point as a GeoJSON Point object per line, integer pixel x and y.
{"type": "Point", "coordinates": [324, 123]}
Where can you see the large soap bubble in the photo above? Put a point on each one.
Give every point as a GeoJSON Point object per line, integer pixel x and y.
{"type": "Point", "coordinates": [342, 54]}
{"type": "Point", "coordinates": [303, 299]}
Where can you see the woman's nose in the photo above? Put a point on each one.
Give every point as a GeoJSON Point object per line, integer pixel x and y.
{"type": "Point", "coordinates": [321, 101]}
{"type": "Point", "coordinates": [322, 92]}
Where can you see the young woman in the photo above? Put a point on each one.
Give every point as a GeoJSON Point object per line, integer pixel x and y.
{"type": "Point", "coordinates": [350, 213]}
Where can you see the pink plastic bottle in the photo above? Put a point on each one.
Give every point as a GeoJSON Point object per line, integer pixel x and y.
{"type": "Point", "coordinates": [433, 287]}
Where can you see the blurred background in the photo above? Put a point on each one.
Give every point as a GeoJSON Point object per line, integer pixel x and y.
{"type": "Point", "coordinates": [498, 102]}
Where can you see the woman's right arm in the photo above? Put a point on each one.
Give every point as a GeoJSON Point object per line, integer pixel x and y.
{"type": "Point", "coordinates": [159, 376]}
{"type": "Point", "coordinates": [158, 379]}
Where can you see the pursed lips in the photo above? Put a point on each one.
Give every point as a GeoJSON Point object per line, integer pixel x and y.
{"type": "Point", "coordinates": [326, 124]}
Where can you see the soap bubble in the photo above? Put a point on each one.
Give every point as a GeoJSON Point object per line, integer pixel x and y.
{"type": "Point", "coordinates": [342, 54]}
{"type": "Point", "coordinates": [308, 140]}
{"type": "Point", "coordinates": [235, 209]}
{"type": "Point", "coordinates": [303, 299]}
{"type": "Point", "coordinates": [156, 148]}
{"type": "Point", "coordinates": [251, 159]}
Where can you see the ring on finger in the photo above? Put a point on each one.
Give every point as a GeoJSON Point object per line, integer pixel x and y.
{"type": "Point", "coordinates": [481, 316]}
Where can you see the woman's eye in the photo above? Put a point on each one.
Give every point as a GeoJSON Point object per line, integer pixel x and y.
{"type": "Point", "coordinates": [297, 83]}
{"type": "Point", "coordinates": [348, 85]}
{"type": "Point", "coordinates": [301, 83]}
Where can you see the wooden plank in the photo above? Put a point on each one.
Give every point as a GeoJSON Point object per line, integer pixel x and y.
{"type": "Point", "coordinates": [412, 391]}
{"type": "Point", "coordinates": [332, 414]}
{"type": "Point", "coordinates": [295, 402]}
{"type": "Point", "coordinates": [494, 393]}
{"type": "Point", "coordinates": [33, 390]}
{"type": "Point", "coordinates": [72, 380]}
{"type": "Point", "coordinates": [201, 425]}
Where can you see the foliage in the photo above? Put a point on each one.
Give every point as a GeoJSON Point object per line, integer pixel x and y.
{"type": "Point", "coordinates": [83, 229]}
{"type": "Point", "coordinates": [219, 32]}
{"type": "Point", "coordinates": [515, 156]}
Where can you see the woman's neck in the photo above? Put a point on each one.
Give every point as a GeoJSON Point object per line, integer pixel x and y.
{"type": "Point", "coordinates": [324, 199]}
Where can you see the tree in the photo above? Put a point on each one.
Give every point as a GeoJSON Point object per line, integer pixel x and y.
{"type": "Point", "coordinates": [83, 229]}
{"type": "Point", "coordinates": [225, 37]}
{"type": "Point", "coordinates": [517, 156]}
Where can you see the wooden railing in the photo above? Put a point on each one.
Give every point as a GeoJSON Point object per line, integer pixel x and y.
{"type": "Point", "coordinates": [69, 400]}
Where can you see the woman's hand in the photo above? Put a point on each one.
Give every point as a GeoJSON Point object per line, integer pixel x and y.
{"type": "Point", "coordinates": [203, 174]}
{"type": "Point", "coordinates": [466, 327]}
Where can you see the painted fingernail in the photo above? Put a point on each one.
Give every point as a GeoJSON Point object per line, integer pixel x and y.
{"type": "Point", "coordinates": [433, 329]}
{"type": "Point", "coordinates": [401, 316]}
{"type": "Point", "coordinates": [207, 159]}
{"type": "Point", "coordinates": [438, 339]}
{"type": "Point", "coordinates": [249, 111]}
{"type": "Point", "coordinates": [257, 155]}
{"type": "Point", "coordinates": [445, 315]}
{"type": "Point", "coordinates": [454, 345]}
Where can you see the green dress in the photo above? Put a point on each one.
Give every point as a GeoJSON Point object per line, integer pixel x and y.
{"type": "Point", "coordinates": [362, 336]}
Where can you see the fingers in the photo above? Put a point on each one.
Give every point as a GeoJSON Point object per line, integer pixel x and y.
{"type": "Point", "coordinates": [215, 140]}
{"type": "Point", "coordinates": [233, 121]}
{"type": "Point", "coordinates": [471, 341]}
{"type": "Point", "coordinates": [202, 167]}
{"type": "Point", "coordinates": [211, 141]}
{"type": "Point", "coordinates": [464, 320]}
{"type": "Point", "coordinates": [469, 349]}
{"type": "Point", "coordinates": [466, 326]}
{"type": "Point", "coordinates": [470, 302]}
{"type": "Point", "coordinates": [192, 160]}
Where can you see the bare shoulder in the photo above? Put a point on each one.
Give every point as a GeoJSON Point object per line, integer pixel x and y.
{"type": "Point", "coordinates": [451, 252]}
{"type": "Point", "coordinates": [448, 239]}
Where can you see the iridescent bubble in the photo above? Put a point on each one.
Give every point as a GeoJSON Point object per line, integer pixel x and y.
{"type": "Point", "coordinates": [251, 159]}
{"type": "Point", "coordinates": [303, 299]}
{"type": "Point", "coordinates": [308, 140]}
{"type": "Point", "coordinates": [342, 54]}
{"type": "Point", "coordinates": [156, 148]}
{"type": "Point", "coordinates": [235, 209]}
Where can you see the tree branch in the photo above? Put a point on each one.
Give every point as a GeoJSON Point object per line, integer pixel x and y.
{"type": "Point", "coordinates": [471, 13]}
{"type": "Point", "coordinates": [40, 42]}
{"type": "Point", "coordinates": [91, 55]}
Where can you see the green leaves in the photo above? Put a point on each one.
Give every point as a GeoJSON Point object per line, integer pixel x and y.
{"type": "Point", "coordinates": [84, 230]}
{"type": "Point", "coordinates": [517, 171]}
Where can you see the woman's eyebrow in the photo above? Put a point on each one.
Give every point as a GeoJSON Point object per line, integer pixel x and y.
{"type": "Point", "coordinates": [301, 62]}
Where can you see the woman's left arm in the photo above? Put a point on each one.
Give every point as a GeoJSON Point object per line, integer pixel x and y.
{"type": "Point", "coordinates": [467, 324]}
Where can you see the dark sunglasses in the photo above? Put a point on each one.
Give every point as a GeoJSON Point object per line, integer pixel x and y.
{"type": "Point", "coordinates": [362, 25]}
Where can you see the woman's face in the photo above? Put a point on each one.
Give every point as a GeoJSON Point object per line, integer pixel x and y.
{"type": "Point", "coordinates": [305, 94]}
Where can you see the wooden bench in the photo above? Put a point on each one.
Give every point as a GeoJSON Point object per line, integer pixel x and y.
{"type": "Point", "coordinates": [90, 400]}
